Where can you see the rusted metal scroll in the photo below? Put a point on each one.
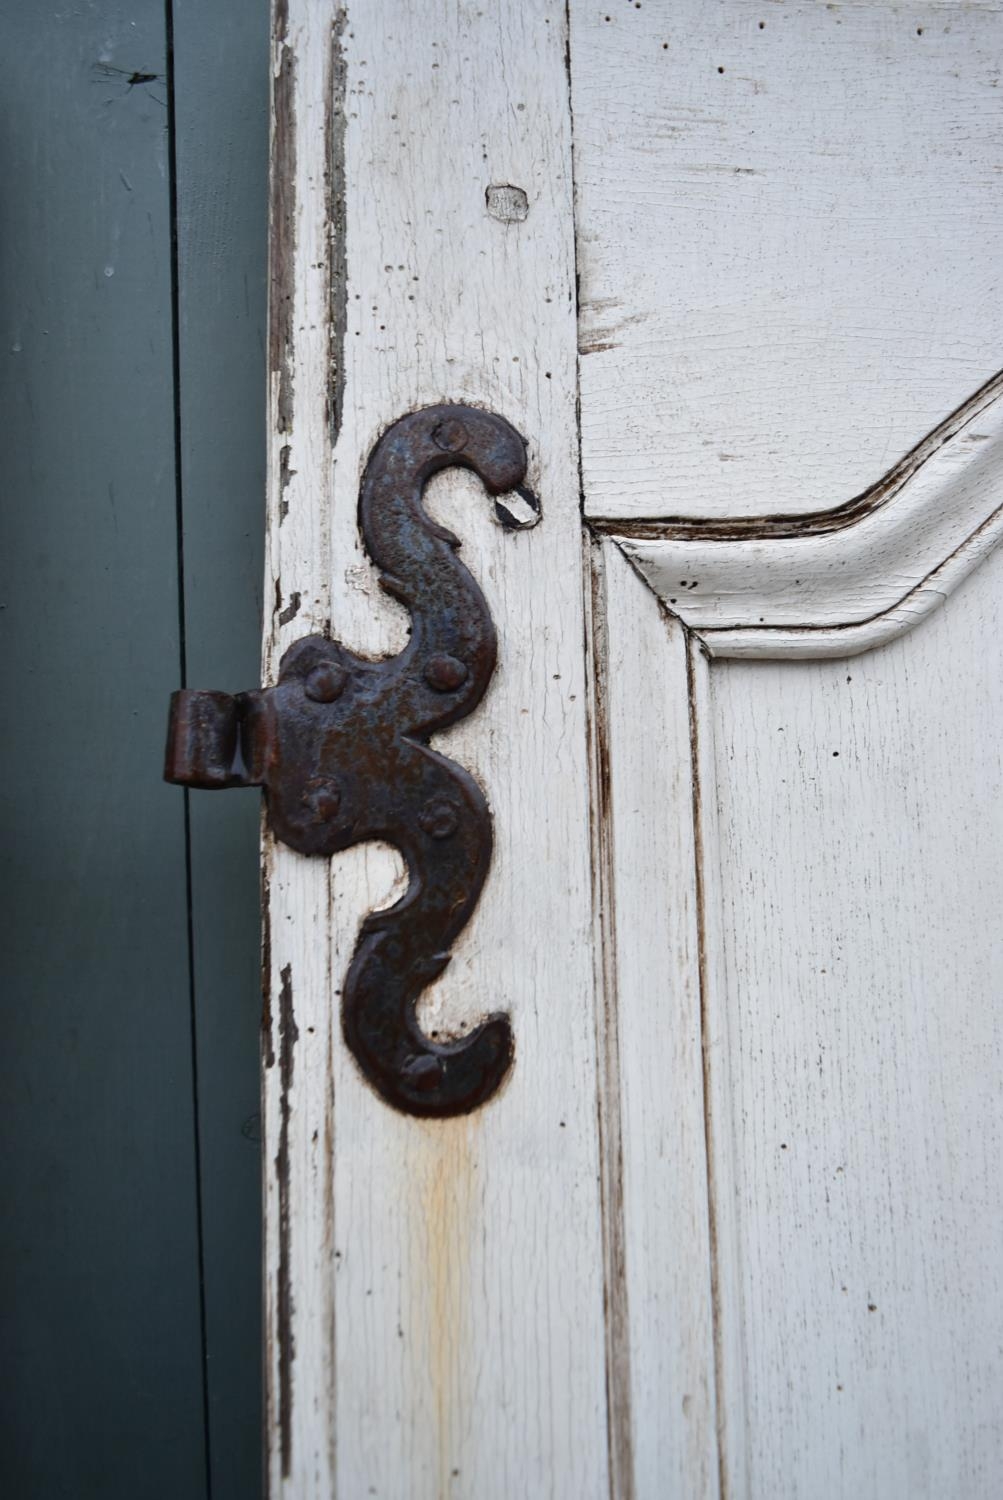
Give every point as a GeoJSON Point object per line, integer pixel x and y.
{"type": "Point", "coordinates": [340, 746]}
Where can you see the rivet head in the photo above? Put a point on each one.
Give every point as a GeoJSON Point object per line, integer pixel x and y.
{"type": "Point", "coordinates": [438, 820]}
{"type": "Point", "coordinates": [450, 435]}
{"type": "Point", "coordinates": [325, 683]}
{"type": "Point", "coordinates": [444, 673]}
{"type": "Point", "coordinates": [323, 797]}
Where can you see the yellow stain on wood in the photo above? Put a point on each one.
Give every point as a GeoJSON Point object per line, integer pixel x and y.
{"type": "Point", "coordinates": [450, 1220]}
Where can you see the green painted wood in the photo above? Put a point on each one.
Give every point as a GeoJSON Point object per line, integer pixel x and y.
{"type": "Point", "coordinates": [221, 57]}
{"type": "Point", "coordinates": [102, 1367]}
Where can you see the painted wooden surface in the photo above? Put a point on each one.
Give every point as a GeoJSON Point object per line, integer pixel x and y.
{"type": "Point", "coordinates": [844, 581]}
{"type": "Point", "coordinates": [855, 1036]}
{"type": "Point", "coordinates": [787, 226]}
{"type": "Point", "coordinates": [435, 1289]}
{"type": "Point", "coordinates": [662, 1386]}
{"type": "Point", "coordinates": [733, 1226]}
{"type": "Point", "coordinates": [847, 870]}
{"type": "Point", "coordinates": [833, 920]}
{"type": "Point", "coordinates": [221, 133]}
{"type": "Point", "coordinates": [109, 1375]}
{"type": "Point", "coordinates": [102, 1368]}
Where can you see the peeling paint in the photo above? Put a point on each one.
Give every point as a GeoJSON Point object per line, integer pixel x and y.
{"type": "Point", "coordinates": [288, 1037]}
{"type": "Point", "coordinates": [291, 610]}
{"type": "Point", "coordinates": [336, 222]}
{"type": "Point", "coordinates": [282, 222]}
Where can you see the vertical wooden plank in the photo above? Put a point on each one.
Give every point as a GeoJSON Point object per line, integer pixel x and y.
{"type": "Point", "coordinates": [102, 1360]}
{"type": "Point", "coordinates": [435, 1299]}
{"type": "Point", "coordinates": [221, 149]}
{"type": "Point", "coordinates": [722, 1124]}
{"type": "Point", "coordinates": [658, 1270]}
{"type": "Point", "coordinates": [861, 967]}
{"type": "Point", "coordinates": [300, 1027]}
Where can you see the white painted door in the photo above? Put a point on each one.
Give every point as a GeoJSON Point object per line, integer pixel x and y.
{"type": "Point", "coordinates": [733, 1225]}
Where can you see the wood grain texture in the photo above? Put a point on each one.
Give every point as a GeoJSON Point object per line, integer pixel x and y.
{"type": "Point", "coordinates": [655, 1162]}
{"type": "Point", "coordinates": [435, 1300]}
{"type": "Point", "coordinates": [853, 837]}
{"type": "Point", "coordinates": [787, 224]}
{"type": "Point", "coordinates": [835, 589]}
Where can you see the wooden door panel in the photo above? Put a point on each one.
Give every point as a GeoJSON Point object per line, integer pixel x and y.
{"type": "Point", "coordinates": [574, 1291]}
{"type": "Point", "coordinates": [855, 1039]}
{"type": "Point", "coordinates": [802, 874]}
{"type": "Point", "coordinates": [787, 223]}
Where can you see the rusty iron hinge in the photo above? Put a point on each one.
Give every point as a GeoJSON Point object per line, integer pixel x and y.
{"type": "Point", "coordinates": [340, 747]}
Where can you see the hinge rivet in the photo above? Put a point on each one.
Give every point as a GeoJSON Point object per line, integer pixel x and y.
{"type": "Point", "coordinates": [438, 820]}
{"type": "Point", "coordinates": [445, 673]}
{"type": "Point", "coordinates": [322, 796]}
{"type": "Point", "coordinates": [325, 683]}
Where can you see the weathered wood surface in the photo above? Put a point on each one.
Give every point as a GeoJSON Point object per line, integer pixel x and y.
{"type": "Point", "coordinates": [842, 581]}
{"type": "Point", "coordinates": [834, 922]}
{"type": "Point", "coordinates": [626, 1275]}
{"type": "Point", "coordinates": [847, 871]}
{"type": "Point", "coordinates": [659, 1267]}
{"type": "Point", "coordinates": [855, 1036]}
{"type": "Point", "coordinates": [788, 219]}
{"type": "Point", "coordinates": [435, 1289]}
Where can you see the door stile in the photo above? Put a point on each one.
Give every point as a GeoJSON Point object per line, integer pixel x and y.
{"type": "Point", "coordinates": [660, 1336]}
{"type": "Point", "coordinates": [298, 1025]}
{"type": "Point", "coordinates": [608, 1097]}
{"type": "Point", "coordinates": [718, 1086]}
{"type": "Point", "coordinates": [434, 1287]}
